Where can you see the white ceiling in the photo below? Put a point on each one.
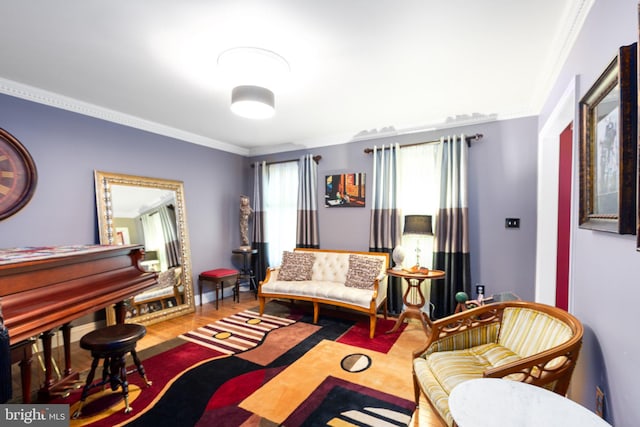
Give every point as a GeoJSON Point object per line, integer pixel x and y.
{"type": "Point", "coordinates": [358, 67]}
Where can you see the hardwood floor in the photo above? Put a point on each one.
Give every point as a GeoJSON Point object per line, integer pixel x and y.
{"type": "Point", "coordinates": [157, 333]}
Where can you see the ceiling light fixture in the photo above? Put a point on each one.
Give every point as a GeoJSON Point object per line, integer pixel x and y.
{"type": "Point", "coordinates": [252, 73]}
{"type": "Point", "coordinates": [252, 102]}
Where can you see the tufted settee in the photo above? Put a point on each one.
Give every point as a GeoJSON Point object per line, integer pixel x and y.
{"type": "Point", "coordinates": [354, 280]}
{"type": "Point", "coordinates": [515, 340]}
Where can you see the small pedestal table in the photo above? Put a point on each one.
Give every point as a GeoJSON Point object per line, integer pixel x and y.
{"type": "Point", "coordinates": [413, 297]}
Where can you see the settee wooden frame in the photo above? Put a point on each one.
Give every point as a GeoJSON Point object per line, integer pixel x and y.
{"type": "Point", "coordinates": [371, 310]}
{"type": "Point", "coordinates": [534, 369]}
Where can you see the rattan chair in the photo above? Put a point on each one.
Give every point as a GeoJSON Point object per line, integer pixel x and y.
{"type": "Point", "coordinates": [516, 340]}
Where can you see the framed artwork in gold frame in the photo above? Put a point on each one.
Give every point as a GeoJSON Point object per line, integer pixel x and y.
{"type": "Point", "coordinates": [608, 147]}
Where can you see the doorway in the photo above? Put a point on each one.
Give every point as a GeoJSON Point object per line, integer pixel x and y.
{"type": "Point", "coordinates": [548, 199]}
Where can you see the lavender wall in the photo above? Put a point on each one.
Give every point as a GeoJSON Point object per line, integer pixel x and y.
{"type": "Point", "coordinates": [68, 147]}
{"type": "Point", "coordinates": [605, 267]}
{"type": "Point", "coordinates": [502, 183]}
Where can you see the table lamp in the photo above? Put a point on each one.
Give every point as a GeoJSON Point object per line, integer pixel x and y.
{"type": "Point", "coordinates": [418, 225]}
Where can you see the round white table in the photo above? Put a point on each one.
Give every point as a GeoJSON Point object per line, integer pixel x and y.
{"type": "Point", "coordinates": [493, 402]}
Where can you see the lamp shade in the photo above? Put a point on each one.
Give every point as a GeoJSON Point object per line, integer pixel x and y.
{"type": "Point", "coordinates": [418, 224]}
{"type": "Point", "coordinates": [253, 102]}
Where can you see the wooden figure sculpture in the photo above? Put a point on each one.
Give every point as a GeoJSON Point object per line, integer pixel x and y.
{"type": "Point", "coordinates": [245, 213]}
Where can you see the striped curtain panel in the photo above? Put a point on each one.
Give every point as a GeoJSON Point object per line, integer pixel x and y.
{"type": "Point", "coordinates": [385, 230]}
{"type": "Point", "coordinates": [451, 243]}
{"type": "Point", "coordinates": [259, 233]}
{"type": "Point", "coordinates": [172, 243]}
{"type": "Point", "coordinates": [307, 224]}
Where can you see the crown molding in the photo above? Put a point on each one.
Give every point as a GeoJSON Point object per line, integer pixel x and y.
{"type": "Point", "coordinates": [459, 121]}
{"type": "Point", "coordinates": [40, 96]}
{"type": "Point", "coordinates": [575, 17]}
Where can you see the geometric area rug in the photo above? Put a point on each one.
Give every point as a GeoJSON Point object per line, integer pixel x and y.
{"type": "Point", "coordinates": [271, 370]}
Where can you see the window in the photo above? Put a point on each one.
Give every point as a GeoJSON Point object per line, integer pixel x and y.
{"type": "Point", "coordinates": [418, 195]}
{"type": "Point", "coordinates": [281, 206]}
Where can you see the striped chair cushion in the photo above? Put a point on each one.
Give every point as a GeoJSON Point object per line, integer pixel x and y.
{"type": "Point", "coordinates": [438, 373]}
{"type": "Point", "coordinates": [527, 332]}
{"type": "Point", "coordinates": [451, 368]}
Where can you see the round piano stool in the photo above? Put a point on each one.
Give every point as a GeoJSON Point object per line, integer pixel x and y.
{"type": "Point", "coordinates": [112, 343]}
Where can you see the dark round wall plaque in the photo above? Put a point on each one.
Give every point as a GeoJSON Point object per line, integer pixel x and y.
{"type": "Point", "coordinates": [18, 176]}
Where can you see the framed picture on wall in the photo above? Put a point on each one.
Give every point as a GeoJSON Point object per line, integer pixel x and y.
{"type": "Point", "coordinates": [608, 147]}
{"type": "Point", "coordinates": [345, 190]}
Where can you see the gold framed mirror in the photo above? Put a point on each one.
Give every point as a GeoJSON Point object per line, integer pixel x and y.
{"type": "Point", "coordinates": [149, 211]}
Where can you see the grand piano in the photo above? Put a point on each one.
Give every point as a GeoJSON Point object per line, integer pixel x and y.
{"type": "Point", "coordinates": [45, 288]}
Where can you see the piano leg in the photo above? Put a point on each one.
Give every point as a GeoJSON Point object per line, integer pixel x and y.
{"type": "Point", "coordinates": [121, 312]}
{"type": "Point", "coordinates": [66, 338]}
{"type": "Point", "coordinates": [25, 374]}
{"type": "Point", "coordinates": [48, 361]}
{"type": "Point", "coordinates": [61, 386]}
{"type": "Point", "coordinates": [21, 353]}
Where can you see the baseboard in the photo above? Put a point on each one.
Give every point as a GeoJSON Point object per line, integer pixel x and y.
{"type": "Point", "coordinates": [210, 297]}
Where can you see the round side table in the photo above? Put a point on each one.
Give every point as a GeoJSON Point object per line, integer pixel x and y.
{"type": "Point", "coordinates": [413, 297]}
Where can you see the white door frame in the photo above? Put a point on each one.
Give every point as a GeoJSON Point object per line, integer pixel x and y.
{"type": "Point", "coordinates": [564, 113]}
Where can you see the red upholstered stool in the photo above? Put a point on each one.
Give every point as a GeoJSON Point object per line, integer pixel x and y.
{"type": "Point", "coordinates": [218, 277]}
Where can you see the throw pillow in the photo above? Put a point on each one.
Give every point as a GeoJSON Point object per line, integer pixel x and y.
{"type": "Point", "coordinates": [362, 271]}
{"type": "Point", "coordinates": [296, 266]}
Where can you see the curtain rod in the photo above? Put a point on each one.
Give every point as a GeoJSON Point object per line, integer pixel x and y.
{"type": "Point", "coordinates": [315, 158]}
{"type": "Point", "coordinates": [468, 139]}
